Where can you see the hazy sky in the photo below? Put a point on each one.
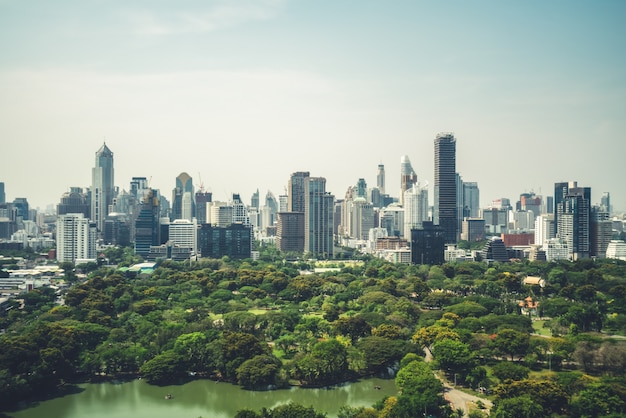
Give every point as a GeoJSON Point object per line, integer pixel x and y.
{"type": "Point", "coordinates": [245, 92]}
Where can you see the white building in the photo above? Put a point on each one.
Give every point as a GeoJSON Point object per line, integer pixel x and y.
{"type": "Point", "coordinates": [76, 238]}
{"type": "Point", "coordinates": [556, 249]}
{"type": "Point", "coordinates": [392, 219]}
{"type": "Point", "coordinates": [184, 233]}
{"type": "Point", "coordinates": [415, 208]}
{"type": "Point", "coordinates": [544, 228]}
{"type": "Point", "coordinates": [616, 249]}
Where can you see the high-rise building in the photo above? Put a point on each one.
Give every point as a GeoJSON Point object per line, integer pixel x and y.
{"type": "Point", "coordinates": [445, 208]}
{"type": "Point", "coordinates": [544, 228]}
{"type": "Point", "coordinates": [3, 196]}
{"type": "Point", "coordinates": [318, 217]}
{"type": "Point", "coordinates": [380, 178]}
{"type": "Point", "coordinates": [74, 201]}
{"type": "Point", "coordinates": [183, 198]}
{"type": "Point", "coordinates": [102, 186]}
{"type": "Point", "coordinates": [531, 202]}
{"type": "Point", "coordinates": [407, 176]}
{"type": "Point", "coordinates": [254, 201]}
{"type": "Point", "coordinates": [22, 206]}
{"type": "Point", "coordinates": [203, 198]}
{"type": "Point", "coordinates": [295, 192]}
{"type": "Point", "coordinates": [147, 224]}
{"type": "Point", "coordinates": [233, 241]}
{"type": "Point", "coordinates": [605, 202]}
{"type": "Point", "coordinates": [415, 208]}
{"type": "Point", "coordinates": [184, 233]}
{"type": "Point", "coordinates": [76, 238]}
{"type": "Point", "coordinates": [601, 231]}
{"type": "Point", "coordinates": [427, 244]}
{"type": "Point", "coordinates": [471, 199]}
{"type": "Point", "coordinates": [572, 216]}
{"type": "Point", "coordinates": [290, 231]}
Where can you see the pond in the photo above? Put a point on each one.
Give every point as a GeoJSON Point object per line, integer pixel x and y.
{"type": "Point", "coordinates": [199, 398]}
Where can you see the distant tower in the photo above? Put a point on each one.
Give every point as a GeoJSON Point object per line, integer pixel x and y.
{"type": "Point", "coordinates": [407, 176]}
{"type": "Point", "coordinates": [605, 202]}
{"type": "Point", "coordinates": [3, 197]}
{"type": "Point", "coordinates": [380, 178]}
{"type": "Point", "coordinates": [572, 218]}
{"type": "Point", "coordinates": [254, 203]}
{"type": "Point", "coordinates": [471, 199]}
{"type": "Point", "coordinates": [76, 238]}
{"type": "Point", "coordinates": [102, 186]}
{"type": "Point", "coordinates": [415, 208]}
{"type": "Point", "coordinates": [183, 198]}
{"type": "Point", "coordinates": [296, 191]}
{"type": "Point", "coordinates": [147, 225]}
{"type": "Point", "coordinates": [318, 217]}
{"type": "Point", "coordinates": [445, 208]}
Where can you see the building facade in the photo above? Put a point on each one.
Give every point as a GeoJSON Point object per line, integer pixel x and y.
{"type": "Point", "coordinates": [102, 186]}
{"type": "Point", "coordinates": [318, 218]}
{"type": "Point", "coordinates": [76, 238]}
{"type": "Point", "coordinates": [445, 208]}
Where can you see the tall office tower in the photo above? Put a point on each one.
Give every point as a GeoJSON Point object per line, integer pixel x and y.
{"type": "Point", "coordinates": [3, 196]}
{"type": "Point", "coordinates": [76, 238]}
{"type": "Point", "coordinates": [459, 204]}
{"type": "Point", "coordinates": [605, 202]}
{"type": "Point", "coordinates": [240, 212]}
{"type": "Point", "coordinates": [254, 201]}
{"type": "Point", "coordinates": [295, 191]}
{"type": "Point", "coordinates": [471, 199]}
{"type": "Point", "coordinates": [318, 217]}
{"type": "Point", "coordinates": [531, 202]}
{"type": "Point", "coordinates": [148, 225]}
{"type": "Point", "coordinates": [549, 205]}
{"type": "Point", "coordinates": [361, 189]}
{"type": "Point", "coordinates": [380, 178]}
{"type": "Point", "coordinates": [184, 233]}
{"type": "Point", "coordinates": [290, 231]}
{"type": "Point", "coordinates": [601, 231]}
{"type": "Point", "coordinates": [544, 228]}
{"type": "Point", "coordinates": [283, 203]}
{"type": "Point", "coordinates": [445, 210]}
{"type": "Point", "coordinates": [102, 186]}
{"type": "Point", "coordinates": [407, 176]}
{"type": "Point", "coordinates": [361, 218]}
{"type": "Point", "coordinates": [560, 191]}
{"type": "Point", "coordinates": [203, 198]}
{"type": "Point", "coordinates": [138, 186]}
{"type": "Point", "coordinates": [270, 209]}
{"type": "Point", "coordinates": [22, 206]}
{"type": "Point", "coordinates": [427, 244]}
{"type": "Point", "coordinates": [392, 219]}
{"type": "Point", "coordinates": [74, 201]}
{"type": "Point", "coordinates": [233, 241]}
{"type": "Point", "coordinates": [572, 219]}
{"type": "Point", "coordinates": [219, 214]}
{"type": "Point", "coordinates": [183, 204]}
{"type": "Point", "coordinates": [415, 208]}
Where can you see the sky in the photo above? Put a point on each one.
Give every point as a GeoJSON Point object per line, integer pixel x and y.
{"type": "Point", "coordinates": [241, 93]}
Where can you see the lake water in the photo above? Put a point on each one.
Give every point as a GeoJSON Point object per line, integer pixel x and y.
{"type": "Point", "coordinates": [200, 398]}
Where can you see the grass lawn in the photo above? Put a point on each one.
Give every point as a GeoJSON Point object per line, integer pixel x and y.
{"type": "Point", "coordinates": [539, 329]}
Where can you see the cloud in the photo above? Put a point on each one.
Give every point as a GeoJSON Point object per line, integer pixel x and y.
{"type": "Point", "coordinates": [220, 14]}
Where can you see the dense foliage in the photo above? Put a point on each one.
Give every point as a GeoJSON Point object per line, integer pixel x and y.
{"type": "Point", "coordinates": [267, 324]}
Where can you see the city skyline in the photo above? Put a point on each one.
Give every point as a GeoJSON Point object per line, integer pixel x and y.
{"type": "Point", "coordinates": [242, 95]}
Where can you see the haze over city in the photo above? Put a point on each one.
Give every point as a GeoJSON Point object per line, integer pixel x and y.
{"type": "Point", "coordinates": [244, 93]}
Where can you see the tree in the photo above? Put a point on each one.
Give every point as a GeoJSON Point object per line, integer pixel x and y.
{"type": "Point", "coordinates": [512, 342]}
{"type": "Point", "coordinates": [163, 368]}
{"type": "Point", "coordinates": [259, 371]}
{"type": "Point", "coordinates": [598, 400]}
{"type": "Point", "coordinates": [518, 407]}
{"type": "Point", "coordinates": [510, 371]}
{"type": "Point", "coordinates": [354, 327]}
{"type": "Point", "coordinates": [453, 356]}
{"type": "Point", "coordinates": [549, 394]}
{"type": "Point", "coordinates": [380, 352]}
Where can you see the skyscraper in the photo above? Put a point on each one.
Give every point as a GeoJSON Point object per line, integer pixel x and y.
{"type": "Point", "coordinates": [102, 186]}
{"type": "Point", "coordinates": [445, 209]}
{"type": "Point", "coordinates": [415, 208]}
{"type": "Point", "coordinates": [183, 198]}
{"type": "Point", "coordinates": [471, 199]}
{"type": "Point", "coordinates": [318, 217]}
{"type": "Point", "coordinates": [407, 176]}
{"type": "Point", "coordinates": [296, 191]}
{"type": "Point", "coordinates": [572, 215]}
{"type": "Point", "coordinates": [76, 238]}
{"type": "Point", "coordinates": [380, 178]}
{"type": "Point", "coordinates": [3, 197]}
{"type": "Point", "coordinates": [147, 226]}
